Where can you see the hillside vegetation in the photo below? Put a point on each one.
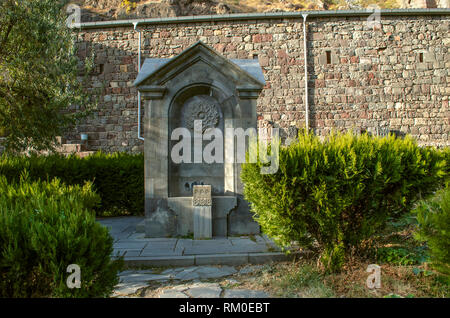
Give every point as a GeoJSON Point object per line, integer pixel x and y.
{"type": "Point", "coordinates": [123, 9]}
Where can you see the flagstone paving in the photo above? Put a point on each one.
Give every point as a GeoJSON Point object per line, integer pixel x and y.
{"type": "Point", "coordinates": [187, 282]}
{"type": "Point", "coordinates": [187, 268]}
{"type": "Point", "coordinates": [138, 251]}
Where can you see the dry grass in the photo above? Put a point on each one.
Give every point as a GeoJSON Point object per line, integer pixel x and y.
{"type": "Point", "coordinates": [303, 279]}
{"type": "Point", "coordinates": [395, 280]}
{"type": "Point", "coordinates": [247, 6]}
{"type": "Point", "coordinates": [268, 6]}
{"type": "Point", "coordinates": [301, 5]}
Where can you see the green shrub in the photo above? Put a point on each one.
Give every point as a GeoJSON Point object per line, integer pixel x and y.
{"type": "Point", "coordinates": [446, 154]}
{"type": "Point", "coordinates": [331, 195]}
{"type": "Point", "coordinates": [396, 245]}
{"type": "Point", "coordinates": [399, 256]}
{"type": "Point", "coordinates": [46, 226]}
{"type": "Point", "coordinates": [118, 178]}
{"type": "Point", "coordinates": [25, 192]}
{"type": "Point", "coordinates": [433, 217]}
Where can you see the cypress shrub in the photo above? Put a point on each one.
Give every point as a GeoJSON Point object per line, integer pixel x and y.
{"type": "Point", "coordinates": [118, 177]}
{"type": "Point", "coordinates": [433, 217]}
{"type": "Point", "coordinates": [331, 195]}
{"type": "Point", "coordinates": [45, 227]}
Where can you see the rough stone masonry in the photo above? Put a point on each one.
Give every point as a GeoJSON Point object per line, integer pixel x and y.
{"type": "Point", "coordinates": [391, 76]}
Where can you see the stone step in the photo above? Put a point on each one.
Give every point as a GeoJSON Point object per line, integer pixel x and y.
{"type": "Point", "coordinates": [210, 259]}
{"type": "Point", "coordinates": [140, 227]}
{"type": "Point", "coordinates": [60, 140]}
{"type": "Point", "coordinates": [71, 148]}
{"type": "Point", "coordinates": [68, 148]}
{"type": "Point", "coordinates": [81, 154]}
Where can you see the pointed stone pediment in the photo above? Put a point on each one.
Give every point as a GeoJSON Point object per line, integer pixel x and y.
{"type": "Point", "coordinates": [157, 71]}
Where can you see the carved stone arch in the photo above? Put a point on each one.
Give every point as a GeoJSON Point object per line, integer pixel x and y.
{"type": "Point", "coordinates": [183, 176]}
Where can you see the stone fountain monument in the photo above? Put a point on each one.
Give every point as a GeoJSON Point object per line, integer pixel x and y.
{"type": "Point", "coordinates": [197, 85]}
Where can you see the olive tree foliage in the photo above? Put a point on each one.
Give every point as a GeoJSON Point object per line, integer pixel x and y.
{"type": "Point", "coordinates": [41, 92]}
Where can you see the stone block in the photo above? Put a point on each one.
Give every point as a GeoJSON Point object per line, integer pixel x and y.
{"type": "Point", "coordinates": [172, 294]}
{"type": "Point", "coordinates": [202, 222]}
{"type": "Point", "coordinates": [157, 252]}
{"type": "Point", "coordinates": [204, 290]}
{"type": "Point", "coordinates": [221, 259]}
{"type": "Point", "coordinates": [201, 195]}
{"type": "Point", "coordinates": [203, 247]}
{"type": "Point", "coordinates": [140, 227]}
{"type": "Point", "coordinates": [245, 293]}
{"type": "Point", "coordinates": [161, 223]}
{"type": "Point", "coordinates": [263, 258]}
{"type": "Point", "coordinates": [130, 245]}
{"type": "Point", "coordinates": [202, 211]}
{"type": "Point", "coordinates": [220, 210]}
{"type": "Point", "coordinates": [241, 221]}
{"type": "Point", "coordinates": [176, 261]}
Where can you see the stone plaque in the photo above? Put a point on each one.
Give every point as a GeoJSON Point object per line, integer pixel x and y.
{"type": "Point", "coordinates": [202, 195]}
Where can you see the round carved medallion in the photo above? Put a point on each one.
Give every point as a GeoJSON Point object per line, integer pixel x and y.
{"type": "Point", "coordinates": [204, 108]}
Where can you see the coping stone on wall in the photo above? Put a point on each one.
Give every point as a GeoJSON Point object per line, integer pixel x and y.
{"type": "Point", "coordinates": [261, 16]}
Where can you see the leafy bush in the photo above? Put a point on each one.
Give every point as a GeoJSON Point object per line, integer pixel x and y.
{"type": "Point", "coordinates": [46, 226]}
{"type": "Point", "coordinates": [118, 178]}
{"type": "Point", "coordinates": [446, 154]}
{"type": "Point", "coordinates": [433, 217]}
{"type": "Point", "coordinates": [399, 256]}
{"type": "Point", "coordinates": [396, 244]}
{"type": "Point", "coordinates": [54, 190]}
{"type": "Point", "coordinates": [331, 195]}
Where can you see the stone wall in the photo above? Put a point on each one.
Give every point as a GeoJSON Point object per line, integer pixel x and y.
{"type": "Point", "coordinates": [394, 76]}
